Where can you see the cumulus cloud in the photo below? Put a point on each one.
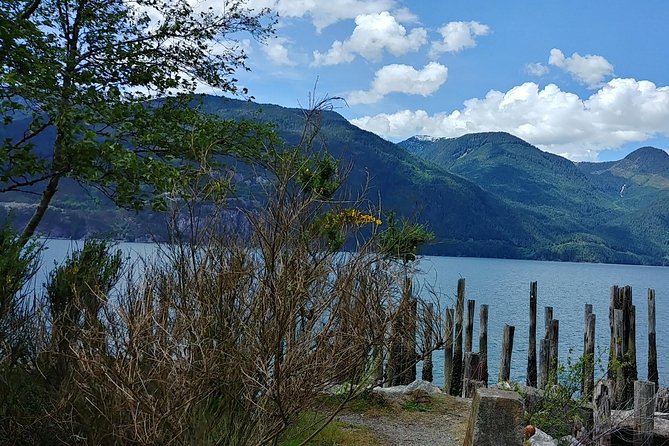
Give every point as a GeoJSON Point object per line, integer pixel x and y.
{"type": "Point", "coordinates": [536, 69]}
{"type": "Point", "coordinates": [456, 36]}
{"type": "Point", "coordinates": [622, 111]}
{"type": "Point", "coordinates": [402, 79]}
{"type": "Point", "coordinates": [324, 13]}
{"type": "Point", "coordinates": [277, 52]}
{"type": "Point", "coordinates": [373, 34]}
{"type": "Point", "coordinates": [589, 70]}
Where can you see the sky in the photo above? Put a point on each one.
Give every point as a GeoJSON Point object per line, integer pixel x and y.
{"type": "Point", "coordinates": [588, 80]}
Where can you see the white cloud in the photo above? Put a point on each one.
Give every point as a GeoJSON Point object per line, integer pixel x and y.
{"type": "Point", "coordinates": [402, 79]}
{"type": "Point", "coordinates": [373, 34]}
{"type": "Point", "coordinates": [323, 13]}
{"type": "Point", "coordinates": [536, 69]}
{"type": "Point", "coordinates": [622, 111]}
{"type": "Point", "coordinates": [277, 53]}
{"type": "Point", "coordinates": [456, 36]}
{"type": "Point", "coordinates": [589, 70]}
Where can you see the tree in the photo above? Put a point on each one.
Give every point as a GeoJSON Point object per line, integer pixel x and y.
{"type": "Point", "coordinates": [105, 80]}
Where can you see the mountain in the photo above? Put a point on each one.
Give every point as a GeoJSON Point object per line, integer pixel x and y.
{"type": "Point", "coordinates": [466, 219]}
{"type": "Point", "coordinates": [577, 206]}
{"type": "Point", "coordinates": [486, 194]}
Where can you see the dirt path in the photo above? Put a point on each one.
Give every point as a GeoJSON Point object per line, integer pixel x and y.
{"type": "Point", "coordinates": [442, 424]}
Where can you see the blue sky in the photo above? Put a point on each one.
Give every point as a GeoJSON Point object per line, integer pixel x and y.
{"type": "Point", "coordinates": [587, 80]}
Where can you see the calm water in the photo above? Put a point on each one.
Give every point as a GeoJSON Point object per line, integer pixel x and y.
{"type": "Point", "coordinates": [504, 286]}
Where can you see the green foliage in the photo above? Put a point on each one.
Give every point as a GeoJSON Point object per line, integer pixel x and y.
{"type": "Point", "coordinates": [86, 70]}
{"type": "Point", "coordinates": [400, 241]}
{"type": "Point", "coordinates": [320, 175]}
{"type": "Point", "coordinates": [563, 407]}
{"type": "Point", "coordinates": [18, 266]}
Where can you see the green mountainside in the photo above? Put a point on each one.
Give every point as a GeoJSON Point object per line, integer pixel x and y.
{"type": "Point", "coordinates": [486, 194]}
{"type": "Point", "coordinates": [579, 208]}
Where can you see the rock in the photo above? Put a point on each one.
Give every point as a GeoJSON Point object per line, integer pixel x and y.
{"type": "Point", "coordinates": [418, 387]}
{"type": "Point", "coordinates": [424, 386]}
{"type": "Point", "coordinates": [496, 419]}
{"type": "Point", "coordinates": [541, 438]}
{"type": "Point", "coordinates": [662, 400]}
{"type": "Point", "coordinates": [532, 396]}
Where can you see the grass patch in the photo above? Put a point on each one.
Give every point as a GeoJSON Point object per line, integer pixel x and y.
{"type": "Point", "coordinates": [366, 402]}
{"type": "Point", "coordinates": [334, 434]}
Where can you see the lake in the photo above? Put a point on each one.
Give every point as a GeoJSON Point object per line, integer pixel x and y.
{"type": "Point", "coordinates": [504, 285]}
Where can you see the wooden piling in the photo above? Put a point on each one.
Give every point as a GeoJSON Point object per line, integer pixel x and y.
{"type": "Point", "coordinates": [448, 350]}
{"type": "Point", "coordinates": [652, 347]}
{"type": "Point", "coordinates": [456, 381]}
{"type": "Point", "coordinates": [618, 372]}
{"type": "Point", "coordinates": [483, 343]}
{"type": "Point", "coordinates": [644, 412]}
{"type": "Point", "coordinates": [428, 343]}
{"type": "Point", "coordinates": [469, 328]}
{"type": "Point", "coordinates": [553, 344]}
{"type": "Point", "coordinates": [589, 355]}
{"type": "Point", "coordinates": [471, 379]}
{"type": "Point", "coordinates": [633, 374]}
{"type": "Point", "coordinates": [588, 311]}
{"type": "Point", "coordinates": [410, 336]}
{"type": "Point", "coordinates": [602, 405]}
{"type": "Point", "coordinates": [615, 303]}
{"type": "Point", "coordinates": [507, 349]}
{"type": "Point", "coordinates": [532, 343]}
{"type": "Point", "coordinates": [544, 351]}
{"type": "Point", "coordinates": [548, 317]}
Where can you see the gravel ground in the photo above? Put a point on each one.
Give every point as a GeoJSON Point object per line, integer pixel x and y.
{"type": "Point", "coordinates": [444, 425]}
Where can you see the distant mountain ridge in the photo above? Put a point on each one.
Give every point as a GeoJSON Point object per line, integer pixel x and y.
{"type": "Point", "coordinates": [485, 194]}
{"type": "Point", "coordinates": [578, 205]}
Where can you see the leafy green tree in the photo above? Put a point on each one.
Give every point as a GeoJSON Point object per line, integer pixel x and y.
{"type": "Point", "coordinates": [87, 73]}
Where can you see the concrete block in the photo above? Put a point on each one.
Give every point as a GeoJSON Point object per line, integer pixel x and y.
{"type": "Point", "coordinates": [496, 419]}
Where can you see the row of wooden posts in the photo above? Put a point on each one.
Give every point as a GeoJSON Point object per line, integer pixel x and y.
{"type": "Point", "coordinates": [466, 370]}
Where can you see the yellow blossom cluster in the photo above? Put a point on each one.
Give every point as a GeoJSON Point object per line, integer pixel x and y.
{"type": "Point", "coordinates": [355, 217]}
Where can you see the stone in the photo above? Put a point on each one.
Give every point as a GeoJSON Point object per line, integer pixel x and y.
{"type": "Point", "coordinates": [496, 419]}
{"type": "Point", "coordinates": [424, 386]}
{"type": "Point", "coordinates": [541, 438]}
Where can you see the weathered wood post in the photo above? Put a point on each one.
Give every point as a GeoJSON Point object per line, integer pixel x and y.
{"type": "Point", "coordinates": [507, 349]}
{"type": "Point", "coordinates": [471, 379]}
{"type": "Point", "coordinates": [652, 347]}
{"type": "Point", "coordinates": [448, 350]}
{"type": "Point", "coordinates": [553, 346]}
{"type": "Point", "coordinates": [644, 412]}
{"type": "Point", "coordinates": [456, 381]}
{"type": "Point", "coordinates": [469, 328]}
{"type": "Point", "coordinates": [532, 344]}
{"type": "Point", "coordinates": [410, 336]}
{"type": "Point", "coordinates": [483, 343]}
{"type": "Point", "coordinates": [548, 317]}
{"type": "Point", "coordinates": [544, 351]}
{"type": "Point", "coordinates": [602, 404]}
{"type": "Point", "coordinates": [426, 373]}
{"type": "Point", "coordinates": [619, 388]}
{"type": "Point", "coordinates": [633, 374]}
{"type": "Point", "coordinates": [615, 303]}
{"type": "Point", "coordinates": [589, 355]}
{"type": "Point", "coordinates": [588, 311]}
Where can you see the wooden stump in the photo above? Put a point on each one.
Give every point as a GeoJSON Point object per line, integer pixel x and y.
{"type": "Point", "coordinates": [507, 349]}
{"type": "Point", "coordinates": [448, 350]}
{"type": "Point", "coordinates": [644, 412]}
{"type": "Point", "coordinates": [652, 346]}
{"type": "Point", "coordinates": [483, 343]}
{"type": "Point", "coordinates": [456, 381]}
{"type": "Point", "coordinates": [469, 328]}
{"type": "Point", "coordinates": [602, 404]}
{"type": "Point", "coordinates": [532, 341]}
